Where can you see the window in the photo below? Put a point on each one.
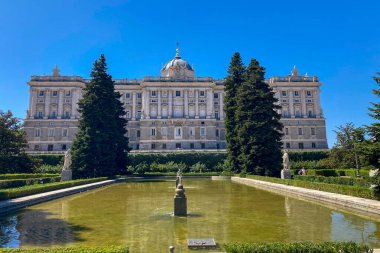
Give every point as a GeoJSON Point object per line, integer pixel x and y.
{"type": "Point", "coordinates": [67, 93]}
{"type": "Point", "coordinates": [285, 114]}
{"type": "Point", "coordinates": [178, 131]}
{"type": "Point", "coordinates": [310, 114]}
{"type": "Point", "coordinates": [36, 147]}
{"type": "Point", "coordinates": [192, 131]}
{"type": "Point", "coordinates": [55, 93]}
{"type": "Point", "coordinates": [312, 130]}
{"type": "Point", "coordinates": [178, 145]}
{"type": "Point", "coordinates": [127, 95]}
{"type": "Point", "coordinates": [153, 131]}
{"type": "Point", "coordinates": [217, 146]}
{"type": "Point", "coordinates": [217, 132]}
{"type": "Point", "coordinates": [298, 114]}
{"type": "Point", "coordinates": [164, 146]}
{"type": "Point", "coordinates": [137, 146]}
{"type": "Point", "coordinates": [192, 145]}
{"type": "Point", "coordinates": [67, 114]}
{"type": "Point", "coordinates": [286, 131]}
{"type": "Point", "coordinates": [287, 145]}
{"type": "Point", "coordinates": [138, 115]}
{"type": "Point", "coordinates": [283, 93]}
{"type": "Point", "coordinates": [53, 115]}
{"type": "Point", "coordinates": [41, 93]}
{"type": "Point", "coordinates": [153, 93]}
{"type": "Point", "coordinates": [64, 132]}
{"type": "Point", "coordinates": [153, 146]}
{"type": "Point", "coordinates": [51, 132]}
{"type": "Point", "coordinates": [216, 115]}
{"type": "Point", "coordinates": [308, 93]}
{"type": "Point", "coordinates": [38, 132]}
{"type": "Point", "coordinates": [128, 115]}
{"type": "Point", "coordinates": [202, 123]}
{"type": "Point", "coordinates": [138, 95]}
{"type": "Point", "coordinates": [203, 146]}
{"type": "Point", "coordinates": [138, 133]}
{"type": "Point", "coordinates": [203, 131]}
{"type": "Point", "coordinates": [300, 145]}
{"type": "Point", "coordinates": [50, 147]}
{"type": "Point", "coordinates": [216, 95]}
{"type": "Point", "coordinates": [40, 115]}
{"type": "Point", "coordinates": [299, 131]}
{"type": "Point", "coordinates": [313, 145]}
{"type": "Point", "coordinates": [202, 93]}
{"type": "Point", "coordinates": [177, 93]}
{"type": "Point", "coordinates": [296, 93]}
{"type": "Point", "coordinates": [64, 146]}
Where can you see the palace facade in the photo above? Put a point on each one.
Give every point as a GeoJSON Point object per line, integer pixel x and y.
{"type": "Point", "coordinates": [174, 111]}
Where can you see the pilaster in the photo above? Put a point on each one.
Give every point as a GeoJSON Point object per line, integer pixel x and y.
{"type": "Point", "coordinates": [186, 104]}
{"type": "Point", "coordinates": [159, 104]}
{"type": "Point", "coordinates": [197, 104]}
{"type": "Point", "coordinates": [60, 104]}
{"type": "Point", "coordinates": [221, 104]}
{"type": "Point", "coordinates": [133, 105]}
{"type": "Point", "coordinates": [47, 103]}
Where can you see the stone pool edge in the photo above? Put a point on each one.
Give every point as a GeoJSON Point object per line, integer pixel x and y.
{"type": "Point", "coordinates": [369, 206]}
{"type": "Point", "coordinates": [11, 205]}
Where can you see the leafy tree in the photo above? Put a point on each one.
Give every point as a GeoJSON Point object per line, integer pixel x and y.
{"type": "Point", "coordinates": [259, 132]}
{"type": "Point", "coordinates": [235, 78]}
{"type": "Point", "coordinates": [100, 147]}
{"type": "Point", "coordinates": [349, 140]}
{"type": "Point", "coordinates": [12, 144]}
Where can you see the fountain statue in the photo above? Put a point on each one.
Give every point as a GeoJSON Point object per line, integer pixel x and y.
{"type": "Point", "coordinates": [66, 173]}
{"type": "Point", "coordinates": [285, 172]}
{"type": "Point", "coordinates": [180, 201]}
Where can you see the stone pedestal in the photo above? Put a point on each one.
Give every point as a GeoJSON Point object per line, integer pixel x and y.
{"type": "Point", "coordinates": [286, 174]}
{"type": "Point", "coordinates": [66, 175]}
{"type": "Point", "coordinates": [180, 201]}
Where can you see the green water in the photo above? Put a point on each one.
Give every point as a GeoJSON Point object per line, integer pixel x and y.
{"type": "Point", "coordinates": [140, 215]}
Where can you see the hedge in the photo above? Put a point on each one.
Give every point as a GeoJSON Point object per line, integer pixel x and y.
{"type": "Point", "coordinates": [12, 183]}
{"type": "Point", "coordinates": [110, 249]}
{"type": "Point", "coordinates": [24, 176]}
{"type": "Point", "coordinates": [169, 174]}
{"type": "Point", "coordinates": [298, 247]}
{"type": "Point", "coordinates": [35, 189]}
{"type": "Point", "coordinates": [356, 191]}
{"type": "Point", "coordinates": [50, 159]}
{"type": "Point", "coordinates": [308, 155]}
{"type": "Point", "coordinates": [335, 180]}
{"type": "Point", "coordinates": [333, 172]}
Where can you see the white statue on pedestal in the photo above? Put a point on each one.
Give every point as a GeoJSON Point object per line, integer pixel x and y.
{"type": "Point", "coordinates": [285, 172]}
{"type": "Point", "coordinates": [67, 174]}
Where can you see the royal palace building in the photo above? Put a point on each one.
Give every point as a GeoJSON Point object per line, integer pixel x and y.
{"type": "Point", "coordinates": [174, 111]}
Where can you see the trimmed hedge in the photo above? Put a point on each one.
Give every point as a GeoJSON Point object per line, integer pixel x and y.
{"type": "Point", "coordinates": [13, 183]}
{"type": "Point", "coordinates": [169, 174]}
{"type": "Point", "coordinates": [333, 172]}
{"type": "Point", "coordinates": [356, 191]}
{"type": "Point", "coordinates": [335, 180]}
{"type": "Point", "coordinates": [50, 159]}
{"type": "Point", "coordinates": [110, 249]}
{"type": "Point", "coordinates": [25, 176]}
{"type": "Point", "coordinates": [35, 189]}
{"type": "Point", "coordinates": [308, 155]}
{"type": "Point", "coordinates": [298, 247]}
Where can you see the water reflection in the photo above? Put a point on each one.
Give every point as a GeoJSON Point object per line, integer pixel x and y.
{"type": "Point", "coordinates": [140, 215]}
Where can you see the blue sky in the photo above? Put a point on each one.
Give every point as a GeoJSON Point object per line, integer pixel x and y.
{"type": "Point", "coordinates": [339, 41]}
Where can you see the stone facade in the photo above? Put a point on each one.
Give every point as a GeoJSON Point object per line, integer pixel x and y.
{"type": "Point", "coordinates": [174, 111]}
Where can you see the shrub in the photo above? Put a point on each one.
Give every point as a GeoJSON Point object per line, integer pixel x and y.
{"type": "Point", "coordinates": [298, 247]}
{"type": "Point", "coordinates": [40, 188]}
{"type": "Point", "coordinates": [50, 159]}
{"type": "Point", "coordinates": [198, 167]}
{"type": "Point", "coordinates": [22, 176]}
{"type": "Point", "coordinates": [308, 155]}
{"type": "Point", "coordinates": [335, 180]}
{"type": "Point", "coordinates": [46, 168]}
{"type": "Point", "coordinates": [13, 183]}
{"type": "Point", "coordinates": [356, 191]}
{"type": "Point", "coordinates": [109, 249]}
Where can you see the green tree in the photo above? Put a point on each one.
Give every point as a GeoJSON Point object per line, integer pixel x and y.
{"type": "Point", "coordinates": [234, 79]}
{"type": "Point", "coordinates": [12, 145]}
{"type": "Point", "coordinates": [349, 140]}
{"type": "Point", "coordinates": [259, 132]}
{"type": "Point", "coordinates": [100, 147]}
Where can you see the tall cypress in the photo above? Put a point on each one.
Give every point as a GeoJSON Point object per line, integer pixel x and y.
{"type": "Point", "coordinates": [234, 79]}
{"type": "Point", "coordinates": [259, 133]}
{"type": "Point", "coordinates": [100, 147]}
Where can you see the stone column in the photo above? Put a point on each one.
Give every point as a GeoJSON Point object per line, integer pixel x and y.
{"type": "Point", "coordinates": [317, 104]}
{"type": "Point", "coordinates": [197, 104]}
{"type": "Point", "coordinates": [60, 104]}
{"type": "Point", "coordinates": [303, 103]}
{"type": "Point", "coordinates": [158, 104]}
{"type": "Point", "coordinates": [291, 105]}
{"type": "Point", "coordinates": [74, 103]}
{"type": "Point", "coordinates": [147, 101]}
{"type": "Point", "coordinates": [47, 103]}
{"type": "Point", "coordinates": [209, 104]}
{"type": "Point", "coordinates": [186, 104]}
{"type": "Point", "coordinates": [32, 103]}
{"type": "Point", "coordinates": [221, 105]}
{"type": "Point", "coordinates": [170, 104]}
{"type": "Point", "coordinates": [133, 105]}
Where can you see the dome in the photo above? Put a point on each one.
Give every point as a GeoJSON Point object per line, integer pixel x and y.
{"type": "Point", "coordinates": [177, 67]}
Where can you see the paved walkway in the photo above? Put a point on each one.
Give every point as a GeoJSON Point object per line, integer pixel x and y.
{"type": "Point", "coordinates": [18, 203]}
{"type": "Point", "coordinates": [367, 206]}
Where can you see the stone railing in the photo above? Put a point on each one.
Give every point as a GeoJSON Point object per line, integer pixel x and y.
{"type": "Point", "coordinates": [293, 79]}
{"type": "Point", "coordinates": [172, 79]}
{"type": "Point", "coordinates": [57, 79]}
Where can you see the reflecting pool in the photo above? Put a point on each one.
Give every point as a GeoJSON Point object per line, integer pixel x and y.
{"type": "Point", "coordinates": [139, 215]}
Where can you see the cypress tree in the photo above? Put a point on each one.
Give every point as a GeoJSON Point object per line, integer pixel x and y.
{"type": "Point", "coordinates": [100, 147]}
{"type": "Point", "coordinates": [259, 133]}
{"type": "Point", "coordinates": [234, 79]}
